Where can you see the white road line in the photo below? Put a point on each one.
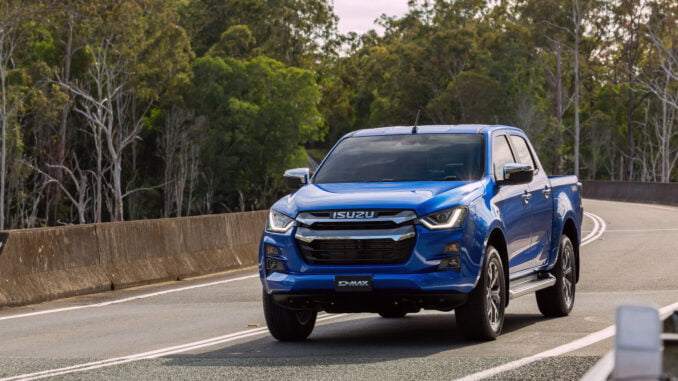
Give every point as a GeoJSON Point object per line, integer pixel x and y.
{"type": "Point", "coordinates": [151, 354]}
{"type": "Point", "coordinates": [660, 207]}
{"type": "Point", "coordinates": [641, 230]}
{"type": "Point", "coordinates": [557, 351]}
{"type": "Point", "coordinates": [599, 232]}
{"type": "Point", "coordinates": [596, 226]}
{"type": "Point", "coordinates": [653, 206]}
{"type": "Point", "coordinates": [118, 301]}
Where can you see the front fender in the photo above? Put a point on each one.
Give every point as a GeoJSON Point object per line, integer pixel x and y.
{"type": "Point", "coordinates": [484, 219]}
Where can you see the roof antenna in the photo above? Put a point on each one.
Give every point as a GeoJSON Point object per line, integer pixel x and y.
{"type": "Point", "coordinates": [416, 120]}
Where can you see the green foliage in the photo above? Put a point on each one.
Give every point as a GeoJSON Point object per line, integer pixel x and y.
{"type": "Point", "coordinates": [287, 30]}
{"type": "Point", "coordinates": [260, 115]}
{"type": "Point", "coordinates": [230, 93]}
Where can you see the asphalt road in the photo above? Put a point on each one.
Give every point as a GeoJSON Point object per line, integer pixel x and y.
{"type": "Point", "coordinates": [213, 327]}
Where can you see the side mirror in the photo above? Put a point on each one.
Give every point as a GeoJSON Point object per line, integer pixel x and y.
{"type": "Point", "coordinates": [516, 173]}
{"type": "Point", "coordinates": [296, 178]}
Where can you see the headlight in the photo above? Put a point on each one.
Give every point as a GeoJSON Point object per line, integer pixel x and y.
{"type": "Point", "coordinates": [278, 222]}
{"type": "Point", "coordinates": [445, 219]}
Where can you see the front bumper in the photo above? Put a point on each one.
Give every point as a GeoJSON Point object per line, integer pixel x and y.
{"type": "Point", "coordinates": [419, 276]}
{"type": "Point", "coordinates": [371, 302]}
{"type": "Point", "coordinates": [438, 281]}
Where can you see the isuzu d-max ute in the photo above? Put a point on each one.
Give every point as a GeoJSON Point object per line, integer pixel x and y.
{"type": "Point", "coordinates": [399, 219]}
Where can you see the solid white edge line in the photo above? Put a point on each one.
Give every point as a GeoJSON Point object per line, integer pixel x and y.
{"type": "Point", "coordinates": [603, 227]}
{"type": "Point", "coordinates": [641, 230]}
{"type": "Point", "coordinates": [124, 300]}
{"type": "Point", "coordinates": [652, 206]}
{"type": "Point", "coordinates": [596, 226]}
{"type": "Point", "coordinates": [557, 351]}
{"type": "Point", "coordinates": [150, 354]}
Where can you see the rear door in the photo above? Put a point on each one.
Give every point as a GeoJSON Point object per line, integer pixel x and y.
{"type": "Point", "coordinates": [541, 204]}
{"type": "Point", "coordinates": [514, 211]}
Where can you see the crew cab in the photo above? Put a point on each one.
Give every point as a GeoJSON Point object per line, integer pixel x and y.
{"type": "Point", "coordinates": [400, 219]}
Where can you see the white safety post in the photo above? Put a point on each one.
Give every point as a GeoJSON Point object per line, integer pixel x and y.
{"type": "Point", "coordinates": [638, 346]}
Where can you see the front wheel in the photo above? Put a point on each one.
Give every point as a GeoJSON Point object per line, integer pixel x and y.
{"type": "Point", "coordinates": [558, 299]}
{"type": "Point", "coordinates": [482, 316]}
{"type": "Point", "coordinates": [285, 324]}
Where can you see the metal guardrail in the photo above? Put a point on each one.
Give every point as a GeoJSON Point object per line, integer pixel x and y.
{"type": "Point", "coordinates": [646, 348]}
{"type": "Point", "coordinates": [653, 193]}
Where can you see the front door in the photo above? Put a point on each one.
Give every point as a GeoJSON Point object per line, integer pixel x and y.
{"type": "Point", "coordinates": [513, 208]}
{"type": "Point", "coordinates": [541, 203]}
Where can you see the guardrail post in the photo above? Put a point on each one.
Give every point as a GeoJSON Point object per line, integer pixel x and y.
{"type": "Point", "coordinates": [638, 353]}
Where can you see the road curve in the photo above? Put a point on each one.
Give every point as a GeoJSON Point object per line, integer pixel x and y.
{"type": "Point", "coordinates": [213, 327]}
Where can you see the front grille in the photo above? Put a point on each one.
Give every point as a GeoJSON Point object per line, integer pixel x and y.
{"type": "Point", "coordinates": [385, 238]}
{"type": "Point", "coordinates": [357, 252]}
{"type": "Point", "coordinates": [362, 225]}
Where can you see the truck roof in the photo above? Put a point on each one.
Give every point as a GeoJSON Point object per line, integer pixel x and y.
{"type": "Point", "coordinates": [432, 129]}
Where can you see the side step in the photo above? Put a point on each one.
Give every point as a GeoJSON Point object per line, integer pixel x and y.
{"type": "Point", "coordinates": [530, 284]}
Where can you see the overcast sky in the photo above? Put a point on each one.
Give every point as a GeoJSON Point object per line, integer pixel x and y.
{"type": "Point", "coordinates": [359, 15]}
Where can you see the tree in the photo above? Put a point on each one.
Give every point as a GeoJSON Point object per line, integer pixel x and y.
{"type": "Point", "coordinates": [629, 16]}
{"type": "Point", "coordinates": [12, 34]}
{"type": "Point", "coordinates": [106, 108]}
{"type": "Point", "coordinates": [259, 114]}
{"type": "Point", "coordinates": [662, 83]}
{"type": "Point", "coordinates": [289, 31]}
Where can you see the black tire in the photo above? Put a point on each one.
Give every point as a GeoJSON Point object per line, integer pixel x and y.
{"type": "Point", "coordinates": [392, 314]}
{"type": "Point", "coordinates": [558, 300]}
{"type": "Point", "coordinates": [285, 324]}
{"type": "Point", "coordinates": [482, 316]}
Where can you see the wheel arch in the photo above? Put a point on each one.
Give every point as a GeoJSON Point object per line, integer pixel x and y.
{"type": "Point", "coordinates": [498, 240]}
{"type": "Point", "coordinates": [570, 230]}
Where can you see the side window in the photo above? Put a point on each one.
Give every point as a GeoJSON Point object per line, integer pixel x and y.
{"type": "Point", "coordinates": [501, 155]}
{"type": "Point", "coordinates": [523, 151]}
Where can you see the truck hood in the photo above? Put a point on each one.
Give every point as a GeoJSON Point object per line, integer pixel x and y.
{"type": "Point", "coordinates": [421, 196]}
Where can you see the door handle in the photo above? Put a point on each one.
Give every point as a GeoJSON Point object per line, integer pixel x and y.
{"type": "Point", "coordinates": [527, 196]}
{"type": "Point", "coordinates": [547, 192]}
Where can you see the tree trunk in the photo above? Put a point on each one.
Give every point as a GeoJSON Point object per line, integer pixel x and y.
{"type": "Point", "coordinates": [630, 142]}
{"type": "Point", "coordinates": [3, 154]}
{"type": "Point", "coordinates": [576, 13]}
{"type": "Point", "coordinates": [558, 160]}
{"type": "Point", "coordinates": [99, 176]}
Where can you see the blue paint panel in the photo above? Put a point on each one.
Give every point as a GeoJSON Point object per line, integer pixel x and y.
{"type": "Point", "coordinates": [532, 230]}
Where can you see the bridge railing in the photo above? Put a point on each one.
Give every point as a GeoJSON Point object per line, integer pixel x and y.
{"type": "Point", "coordinates": [653, 193]}
{"type": "Point", "coordinates": [50, 263]}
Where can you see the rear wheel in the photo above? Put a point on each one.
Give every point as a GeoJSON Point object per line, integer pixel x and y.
{"type": "Point", "coordinates": [558, 299]}
{"type": "Point", "coordinates": [482, 316]}
{"type": "Point", "coordinates": [285, 324]}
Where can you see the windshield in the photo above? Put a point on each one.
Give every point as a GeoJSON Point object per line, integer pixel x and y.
{"type": "Point", "coordinates": [415, 157]}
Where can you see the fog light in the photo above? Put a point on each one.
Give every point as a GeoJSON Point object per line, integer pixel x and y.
{"type": "Point", "coordinates": [450, 263]}
{"type": "Point", "coordinates": [271, 251]}
{"type": "Point", "coordinates": [274, 265]}
{"type": "Point", "coordinates": [452, 248]}
{"type": "Point", "coordinates": [273, 262]}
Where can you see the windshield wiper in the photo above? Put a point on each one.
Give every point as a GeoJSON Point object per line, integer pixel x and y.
{"type": "Point", "coordinates": [449, 178]}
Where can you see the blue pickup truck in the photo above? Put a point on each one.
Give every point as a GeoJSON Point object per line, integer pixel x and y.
{"type": "Point", "coordinates": [399, 219]}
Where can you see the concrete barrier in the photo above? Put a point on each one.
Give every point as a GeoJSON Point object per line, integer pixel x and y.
{"type": "Point", "coordinates": [653, 193]}
{"type": "Point", "coordinates": [44, 264]}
